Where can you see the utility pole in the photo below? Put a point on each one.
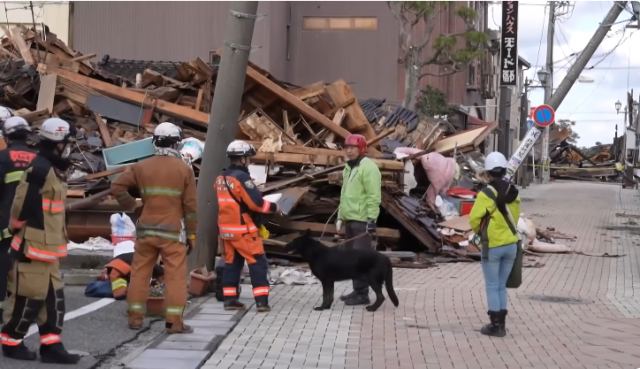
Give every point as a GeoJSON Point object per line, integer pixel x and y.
{"type": "Point", "coordinates": [566, 84]}
{"type": "Point", "coordinates": [223, 124]}
{"type": "Point", "coordinates": [548, 90]}
{"type": "Point", "coordinates": [586, 54]}
{"type": "Point", "coordinates": [504, 137]}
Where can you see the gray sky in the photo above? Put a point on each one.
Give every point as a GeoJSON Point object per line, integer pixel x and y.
{"type": "Point", "coordinates": [591, 105]}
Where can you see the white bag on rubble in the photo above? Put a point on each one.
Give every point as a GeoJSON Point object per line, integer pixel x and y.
{"type": "Point", "coordinates": [123, 247]}
{"type": "Point", "coordinates": [122, 228]}
{"type": "Point", "coordinates": [527, 228]}
{"type": "Point", "coordinates": [446, 208]}
{"type": "Point", "coordinates": [191, 149]}
{"type": "Point", "coordinates": [539, 246]}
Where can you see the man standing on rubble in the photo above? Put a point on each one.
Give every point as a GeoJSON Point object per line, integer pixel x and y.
{"type": "Point", "coordinates": [239, 204]}
{"type": "Point", "coordinates": [359, 208]}
{"type": "Point", "coordinates": [39, 241]}
{"type": "Point", "coordinates": [14, 160]}
{"type": "Point", "coordinates": [168, 189]}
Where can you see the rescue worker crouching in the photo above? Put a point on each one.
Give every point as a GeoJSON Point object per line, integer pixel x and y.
{"type": "Point", "coordinates": [168, 189]}
{"type": "Point", "coordinates": [14, 160]}
{"type": "Point", "coordinates": [39, 241]}
{"type": "Point", "coordinates": [239, 203]}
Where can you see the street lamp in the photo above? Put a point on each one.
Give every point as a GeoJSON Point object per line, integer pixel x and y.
{"type": "Point", "coordinates": [618, 105]}
{"type": "Point", "coordinates": [542, 76]}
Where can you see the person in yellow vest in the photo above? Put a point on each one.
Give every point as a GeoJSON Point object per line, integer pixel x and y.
{"type": "Point", "coordinates": [40, 240]}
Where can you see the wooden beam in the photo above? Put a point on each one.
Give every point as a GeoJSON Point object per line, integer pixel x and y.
{"type": "Point", "coordinates": [47, 92]}
{"type": "Point", "coordinates": [340, 92]}
{"type": "Point", "coordinates": [104, 131]}
{"type": "Point", "coordinates": [309, 91]}
{"type": "Point", "coordinates": [320, 159]}
{"type": "Point", "coordinates": [379, 137]}
{"type": "Point", "coordinates": [330, 229]}
{"type": "Point", "coordinates": [21, 45]}
{"type": "Point", "coordinates": [294, 101]}
{"type": "Point", "coordinates": [126, 94]}
{"type": "Point", "coordinates": [83, 57]}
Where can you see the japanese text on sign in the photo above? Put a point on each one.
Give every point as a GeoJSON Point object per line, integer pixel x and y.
{"type": "Point", "coordinates": [509, 44]}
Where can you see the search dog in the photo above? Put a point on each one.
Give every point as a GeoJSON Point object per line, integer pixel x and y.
{"type": "Point", "coordinates": [332, 264]}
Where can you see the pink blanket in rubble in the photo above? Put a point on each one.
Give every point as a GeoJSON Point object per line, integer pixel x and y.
{"type": "Point", "coordinates": [440, 171]}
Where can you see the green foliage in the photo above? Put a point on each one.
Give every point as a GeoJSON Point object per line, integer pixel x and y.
{"type": "Point", "coordinates": [432, 102]}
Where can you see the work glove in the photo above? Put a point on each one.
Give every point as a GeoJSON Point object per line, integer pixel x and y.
{"type": "Point", "coordinates": [371, 227]}
{"type": "Point", "coordinates": [190, 245]}
{"type": "Point", "coordinates": [339, 226]}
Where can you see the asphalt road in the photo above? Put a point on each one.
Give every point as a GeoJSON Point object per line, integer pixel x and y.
{"type": "Point", "coordinates": [101, 335]}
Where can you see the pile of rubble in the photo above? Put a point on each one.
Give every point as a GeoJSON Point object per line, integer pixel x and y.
{"type": "Point", "coordinates": [298, 131]}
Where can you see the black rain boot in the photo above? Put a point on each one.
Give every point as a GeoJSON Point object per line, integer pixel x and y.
{"type": "Point", "coordinates": [358, 299]}
{"type": "Point", "coordinates": [20, 352]}
{"type": "Point", "coordinates": [348, 296]}
{"type": "Point", "coordinates": [262, 304]}
{"type": "Point", "coordinates": [494, 328]}
{"type": "Point", "coordinates": [233, 304]}
{"type": "Point", "coordinates": [503, 319]}
{"type": "Point", "coordinates": [57, 354]}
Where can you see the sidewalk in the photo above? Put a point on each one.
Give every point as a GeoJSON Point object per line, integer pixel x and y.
{"type": "Point", "coordinates": [575, 312]}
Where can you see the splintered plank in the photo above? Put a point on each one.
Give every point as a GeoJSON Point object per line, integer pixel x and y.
{"type": "Point", "coordinates": [341, 93]}
{"type": "Point", "coordinates": [47, 92]}
{"type": "Point", "coordinates": [21, 45]}
{"type": "Point", "coordinates": [104, 131]}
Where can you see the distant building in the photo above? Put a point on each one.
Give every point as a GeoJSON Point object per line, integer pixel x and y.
{"type": "Point", "coordinates": [298, 42]}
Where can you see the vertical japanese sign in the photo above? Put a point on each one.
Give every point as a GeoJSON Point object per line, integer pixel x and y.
{"type": "Point", "coordinates": [509, 44]}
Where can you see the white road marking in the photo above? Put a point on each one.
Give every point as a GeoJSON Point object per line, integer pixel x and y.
{"type": "Point", "coordinates": [78, 312]}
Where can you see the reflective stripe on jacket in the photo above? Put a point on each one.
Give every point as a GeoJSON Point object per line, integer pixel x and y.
{"type": "Point", "coordinates": [167, 186]}
{"type": "Point", "coordinates": [238, 201]}
{"type": "Point", "coordinates": [38, 212]}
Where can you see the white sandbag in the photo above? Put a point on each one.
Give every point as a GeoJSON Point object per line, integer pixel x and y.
{"type": "Point", "coordinates": [539, 246]}
{"type": "Point", "coordinates": [527, 228]}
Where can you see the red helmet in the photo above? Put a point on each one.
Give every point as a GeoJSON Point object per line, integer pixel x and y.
{"type": "Point", "coordinates": [358, 141]}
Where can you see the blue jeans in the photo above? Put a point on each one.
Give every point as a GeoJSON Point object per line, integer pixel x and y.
{"type": "Point", "coordinates": [496, 268]}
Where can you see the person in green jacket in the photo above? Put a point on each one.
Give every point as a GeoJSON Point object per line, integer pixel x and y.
{"type": "Point", "coordinates": [359, 207]}
{"type": "Point", "coordinates": [501, 242]}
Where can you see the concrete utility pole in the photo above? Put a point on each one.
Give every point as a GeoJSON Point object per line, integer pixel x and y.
{"type": "Point", "coordinates": [223, 124]}
{"type": "Point", "coordinates": [586, 54]}
{"type": "Point", "coordinates": [548, 90]}
{"type": "Point", "coordinates": [504, 122]}
{"type": "Point", "coordinates": [566, 84]}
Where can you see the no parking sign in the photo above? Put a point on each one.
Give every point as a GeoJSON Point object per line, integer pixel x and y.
{"type": "Point", "coordinates": [544, 116]}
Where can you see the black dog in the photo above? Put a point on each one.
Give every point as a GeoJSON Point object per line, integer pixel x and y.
{"type": "Point", "coordinates": [331, 264]}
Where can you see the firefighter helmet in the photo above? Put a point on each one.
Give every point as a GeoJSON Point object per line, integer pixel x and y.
{"type": "Point", "coordinates": [239, 149]}
{"type": "Point", "coordinates": [15, 124]}
{"type": "Point", "coordinates": [55, 130]}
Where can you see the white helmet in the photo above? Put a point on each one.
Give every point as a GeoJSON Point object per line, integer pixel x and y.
{"type": "Point", "coordinates": [5, 113]}
{"type": "Point", "coordinates": [15, 124]}
{"type": "Point", "coordinates": [239, 149]}
{"type": "Point", "coordinates": [495, 160]}
{"type": "Point", "coordinates": [166, 130]}
{"type": "Point", "coordinates": [55, 129]}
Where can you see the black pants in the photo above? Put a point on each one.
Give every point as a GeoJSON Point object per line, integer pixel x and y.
{"type": "Point", "coordinates": [354, 229]}
{"type": "Point", "coordinates": [259, 277]}
{"type": "Point", "coordinates": [5, 266]}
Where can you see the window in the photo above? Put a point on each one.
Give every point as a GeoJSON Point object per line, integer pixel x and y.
{"type": "Point", "coordinates": [340, 23]}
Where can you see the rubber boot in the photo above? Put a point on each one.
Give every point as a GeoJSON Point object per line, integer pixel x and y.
{"type": "Point", "coordinates": [503, 320]}
{"type": "Point", "coordinates": [348, 296]}
{"type": "Point", "coordinates": [358, 299]}
{"type": "Point", "coordinates": [178, 327]}
{"type": "Point", "coordinates": [494, 328]}
{"type": "Point", "coordinates": [233, 304]}
{"type": "Point", "coordinates": [136, 320]}
{"type": "Point", "coordinates": [20, 352]}
{"type": "Point", "coordinates": [262, 304]}
{"type": "Point", "coordinates": [57, 354]}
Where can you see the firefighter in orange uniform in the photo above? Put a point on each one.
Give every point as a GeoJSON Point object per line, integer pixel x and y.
{"type": "Point", "coordinates": [39, 241]}
{"type": "Point", "coordinates": [168, 189]}
{"type": "Point", "coordinates": [239, 204]}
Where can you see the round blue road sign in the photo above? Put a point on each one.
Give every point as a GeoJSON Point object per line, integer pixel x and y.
{"type": "Point", "coordinates": [544, 116]}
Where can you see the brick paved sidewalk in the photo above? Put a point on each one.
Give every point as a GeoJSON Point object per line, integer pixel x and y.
{"type": "Point", "coordinates": [575, 312]}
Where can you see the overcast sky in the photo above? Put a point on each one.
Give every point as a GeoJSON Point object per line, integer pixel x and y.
{"type": "Point", "coordinates": [591, 105]}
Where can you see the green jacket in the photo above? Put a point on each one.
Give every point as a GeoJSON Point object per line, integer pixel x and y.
{"type": "Point", "coordinates": [498, 231]}
{"type": "Point", "coordinates": [361, 192]}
